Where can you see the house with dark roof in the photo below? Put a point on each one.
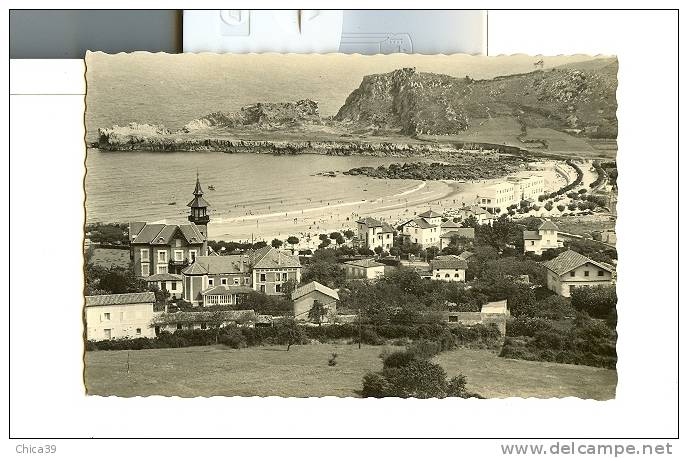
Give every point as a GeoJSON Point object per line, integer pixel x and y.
{"type": "Point", "coordinates": [363, 269]}
{"type": "Point", "coordinates": [373, 233]}
{"type": "Point", "coordinates": [424, 230]}
{"type": "Point", "coordinates": [305, 296]}
{"type": "Point", "coordinates": [158, 248]}
{"type": "Point", "coordinates": [572, 270]}
{"type": "Point", "coordinates": [459, 236]}
{"type": "Point", "coordinates": [545, 238]}
{"type": "Point", "coordinates": [119, 316]}
{"type": "Point", "coordinates": [448, 268]}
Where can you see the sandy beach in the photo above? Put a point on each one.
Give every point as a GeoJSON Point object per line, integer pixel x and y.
{"type": "Point", "coordinates": [317, 217]}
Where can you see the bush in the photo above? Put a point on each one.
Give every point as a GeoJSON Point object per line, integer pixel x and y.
{"type": "Point", "coordinates": [397, 359]}
{"type": "Point", "coordinates": [370, 337]}
{"type": "Point", "coordinates": [418, 379]}
{"type": "Point", "coordinates": [596, 301]}
{"type": "Point", "coordinates": [548, 340]}
{"type": "Point", "coordinates": [425, 349]}
{"type": "Point", "coordinates": [233, 338]}
{"type": "Point", "coordinates": [374, 385]}
{"type": "Point", "coordinates": [527, 326]}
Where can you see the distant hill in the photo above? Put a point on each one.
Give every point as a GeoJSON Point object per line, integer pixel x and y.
{"type": "Point", "coordinates": [578, 98]}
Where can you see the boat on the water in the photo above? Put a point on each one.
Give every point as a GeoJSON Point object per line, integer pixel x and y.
{"type": "Point", "coordinates": [211, 187]}
{"type": "Point", "coordinates": [172, 203]}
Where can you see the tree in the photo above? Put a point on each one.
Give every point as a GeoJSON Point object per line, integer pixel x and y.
{"type": "Point", "coordinates": [325, 243]}
{"type": "Point", "coordinates": [549, 206]}
{"type": "Point", "coordinates": [335, 236]}
{"type": "Point", "coordinates": [471, 221]}
{"type": "Point", "coordinates": [288, 287]}
{"type": "Point", "coordinates": [276, 243]}
{"type": "Point", "coordinates": [290, 333]}
{"type": "Point", "coordinates": [323, 237]}
{"type": "Point", "coordinates": [349, 234]}
{"type": "Point", "coordinates": [561, 207]}
{"type": "Point", "coordinates": [293, 240]}
{"type": "Point", "coordinates": [432, 252]}
{"type": "Point", "coordinates": [317, 312]}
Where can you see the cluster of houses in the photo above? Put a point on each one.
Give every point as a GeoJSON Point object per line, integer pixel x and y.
{"type": "Point", "coordinates": [176, 259]}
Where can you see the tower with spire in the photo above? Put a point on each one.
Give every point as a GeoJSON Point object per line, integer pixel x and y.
{"type": "Point", "coordinates": [199, 209]}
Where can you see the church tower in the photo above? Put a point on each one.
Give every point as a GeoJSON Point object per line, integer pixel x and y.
{"type": "Point", "coordinates": [199, 209]}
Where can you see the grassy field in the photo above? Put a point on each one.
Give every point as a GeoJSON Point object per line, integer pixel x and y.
{"type": "Point", "coordinates": [303, 372]}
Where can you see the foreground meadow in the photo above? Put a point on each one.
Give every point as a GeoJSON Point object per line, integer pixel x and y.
{"type": "Point", "coordinates": [303, 371]}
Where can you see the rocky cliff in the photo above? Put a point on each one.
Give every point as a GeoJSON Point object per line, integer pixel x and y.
{"type": "Point", "coordinates": [573, 97]}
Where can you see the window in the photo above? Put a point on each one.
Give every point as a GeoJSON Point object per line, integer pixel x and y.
{"type": "Point", "coordinates": [162, 269]}
{"type": "Point", "coordinates": [446, 275]}
{"type": "Point", "coordinates": [204, 326]}
{"type": "Point", "coordinates": [600, 273]}
{"type": "Point", "coordinates": [453, 319]}
{"type": "Point", "coordinates": [145, 270]}
{"type": "Point", "coordinates": [211, 282]}
{"type": "Point", "coordinates": [278, 288]}
{"type": "Point", "coordinates": [573, 273]}
{"type": "Point", "coordinates": [586, 273]}
{"type": "Point", "coordinates": [138, 331]}
{"type": "Point", "coordinates": [456, 275]}
{"type": "Point", "coordinates": [532, 242]}
{"type": "Point", "coordinates": [223, 281]}
{"type": "Point", "coordinates": [106, 316]}
{"type": "Point", "coordinates": [108, 333]}
{"type": "Point", "coordinates": [144, 255]}
{"type": "Point", "coordinates": [437, 276]}
{"type": "Point", "coordinates": [277, 276]}
{"type": "Point", "coordinates": [236, 280]}
{"type": "Point", "coordinates": [179, 326]}
{"type": "Point", "coordinates": [284, 276]}
{"type": "Point", "coordinates": [192, 256]}
{"type": "Point", "coordinates": [178, 255]}
{"type": "Point", "coordinates": [262, 277]}
{"type": "Point", "coordinates": [262, 288]}
{"type": "Point", "coordinates": [162, 256]}
{"type": "Point", "coordinates": [173, 286]}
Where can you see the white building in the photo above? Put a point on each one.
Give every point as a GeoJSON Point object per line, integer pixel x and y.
{"type": "Point", "coordinates": [481, 215]}
{"type": "Point", "coordinates": [119, 316]}
{"type": "Point", "coordinates": [171, 283]}
{"type": "Point", "coordinates": [572, 270]}
{"type": "Point", "coordinates": [460, 233]}
{"type": "Point", "coordinates": [425, 230]}
{"type": "Point", "coordinates": [373, 233]}
{"type": "Point", "coordinates": [364, 268]}
{"type": "Point", "coordinates": [510, 191]}
{"type": "Point", "coordinates": [545, 238]}
{"type": "Point", "coordinates": [448, 268]}
{"type": "Point", "coordinates": [304, 298]}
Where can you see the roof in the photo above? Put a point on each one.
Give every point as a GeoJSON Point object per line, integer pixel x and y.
{"type": "Point", "coordinates": [531, 235]}
{"type": "Point", "coordinates": [420, 222]}
{"type": "Point", "coordinates": [198, 202]}
{"type": "Point", "coordinates": [449, 224]}
{"type": "Point", "coordinates": [548, 226]}
{"type": "Point", "coordinates": [272, 258]}
{"type": "Point", "coordinates": [121, 299]}
{"type": "Point", "coordinates": [372, 222]}
{"type": "Point", "coordinates": [467, 232]}
{"type": "Point", "coordinates": [195, 269]}
{"type": "Point", "coordinates": [448, 262]}
{"type": "Point", "coordinates": [476, 210]}
{"type": "Point", "coordinates": [204, 316]}
{"type": "Point", "coordinates": [162, 234]}
{"type": "Point", "coordinates": [230, 264]}
{"type": "Point", "coordinates": [569, 260]}
{"type": "Point", "coordinates": [366, 263]}
{"type": "Point", "coordinates": [466, 255]}
{"type": "Point", "coordinates": [430, 214]}
{"type": "Point", "coordinates": [164, 277]}
{"type": "Point", "coordinates": [314, 286]}
{"type": "Point", "coordinates": [221, 290]}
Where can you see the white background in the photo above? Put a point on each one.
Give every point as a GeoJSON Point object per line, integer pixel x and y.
{"type": "Point", "coordinates": [47, 396]}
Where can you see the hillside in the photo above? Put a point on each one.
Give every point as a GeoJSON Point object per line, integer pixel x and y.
{"type": "Point", "coordinates": [576, 98]}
